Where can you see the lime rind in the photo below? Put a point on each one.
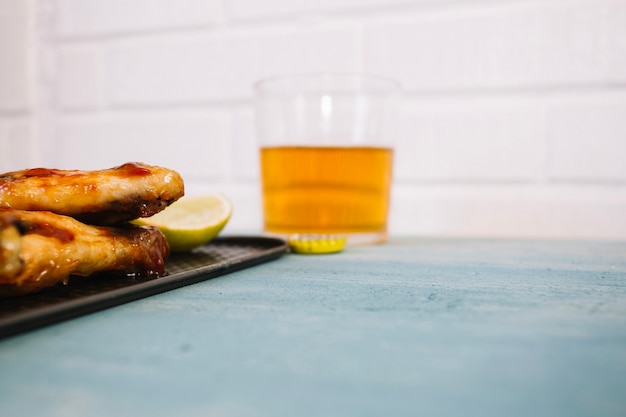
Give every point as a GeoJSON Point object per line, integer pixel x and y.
{"type": "Point", "coordinates": [183, 240]}
{"type": "Point", "coordinates": [191, 222]}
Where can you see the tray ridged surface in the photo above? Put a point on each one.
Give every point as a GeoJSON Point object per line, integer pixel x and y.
{"type": "Point", "coordinates": [85, 295]}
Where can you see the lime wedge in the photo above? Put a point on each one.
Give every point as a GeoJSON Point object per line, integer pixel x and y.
{"type": "Point", "coordinates": [191, 221]}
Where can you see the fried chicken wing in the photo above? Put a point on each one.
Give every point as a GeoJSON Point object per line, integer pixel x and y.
{"type": "Point", "coordinates": [103, 197]}
{"type": "Point", "coordinates": [39, 249]}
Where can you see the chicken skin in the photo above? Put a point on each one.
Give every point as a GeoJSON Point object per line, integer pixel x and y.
{"type": "Point", "coordinates": [39, 249]}
{"type": "Point", "coordinates": [102, 197]}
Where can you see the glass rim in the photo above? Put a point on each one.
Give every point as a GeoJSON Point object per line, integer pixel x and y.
{"type": "Point", "coordinates": [327, 82]}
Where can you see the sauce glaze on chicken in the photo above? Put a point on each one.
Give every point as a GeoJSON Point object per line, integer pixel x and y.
{"type": "Point", "coordinates": [60, 223]}
{"type": "Point", "coordinates": [102, 197]}
{"type": "Point", "coordinates": [39, 249]}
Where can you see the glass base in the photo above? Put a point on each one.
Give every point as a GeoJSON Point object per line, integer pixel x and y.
{"type": "Point", "coordinates": [372, 238]}
{"type": "Point", "coordinates": [353, 239]}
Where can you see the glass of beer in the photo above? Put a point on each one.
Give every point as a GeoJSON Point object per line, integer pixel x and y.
{"type": "Point", "coordinates": [326, 145]}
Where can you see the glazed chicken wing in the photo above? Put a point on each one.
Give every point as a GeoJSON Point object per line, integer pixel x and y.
{"type": "Point", "coordinates": [39, 249]}
{"type": "Point", "coordinates": [103, 197]}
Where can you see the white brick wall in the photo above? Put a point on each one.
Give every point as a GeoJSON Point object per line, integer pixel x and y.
{"type": "Point", "coordinates": [196, 143]}
{"type": "Point", "coordinates": [17, 144]}
{"type": "Point", "coordinates": [199, 69]}
{"type": "Point", "coordinates": [16, 86]}
{"type": "Point", "coordinates": [511, 45]}
{"type": "Point", "coordinates": [514, 120]}
{"type": "Point", "coordinates": [78, 18]}
{"type": "Point", "coordinates": [587, 138]}
{"type": "Point", "coordinates": [471, 139]}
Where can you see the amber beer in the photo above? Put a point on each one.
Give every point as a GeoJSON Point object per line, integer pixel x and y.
{"type": "Point", "coordinates": [326, 190]}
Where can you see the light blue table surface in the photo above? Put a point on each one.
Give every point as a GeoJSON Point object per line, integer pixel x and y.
{"type": "Point", "coordinates": [415, 327]}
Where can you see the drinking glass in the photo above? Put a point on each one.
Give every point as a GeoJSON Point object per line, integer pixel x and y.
{"type": "Point", "coordinates": [326, 149]}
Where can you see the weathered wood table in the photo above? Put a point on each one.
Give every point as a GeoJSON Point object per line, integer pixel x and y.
{"type": "Point", "coordinates": [414, 327]}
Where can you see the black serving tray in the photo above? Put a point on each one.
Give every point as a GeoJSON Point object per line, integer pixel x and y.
{"type": "Point", "coordinates": [86, 295]}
